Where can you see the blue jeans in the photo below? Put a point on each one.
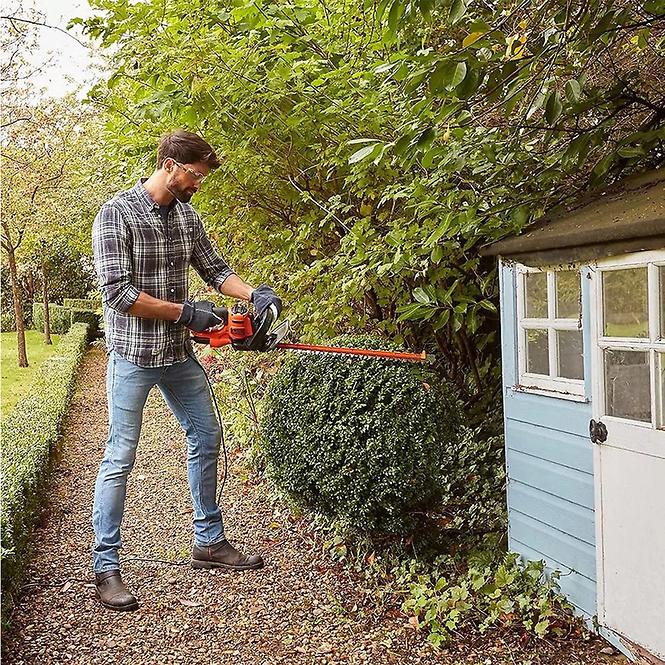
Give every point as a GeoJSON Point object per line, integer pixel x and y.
{"type": "Point", "coordinates": [186, 392]}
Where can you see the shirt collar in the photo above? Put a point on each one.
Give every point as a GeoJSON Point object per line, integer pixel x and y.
{"type": "Point", "coordinates": [145, 199]}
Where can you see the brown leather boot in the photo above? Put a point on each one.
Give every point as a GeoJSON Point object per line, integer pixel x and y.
{"type": "Point", "coordinates": [112, 592]}
{"type": "Point", "coordinates": [224, 555]}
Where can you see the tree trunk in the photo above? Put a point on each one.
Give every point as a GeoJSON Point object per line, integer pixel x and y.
{"type": "Point", "coordinates": [47, 316]}
{"type": "Point", "coordinates": [18, 311]}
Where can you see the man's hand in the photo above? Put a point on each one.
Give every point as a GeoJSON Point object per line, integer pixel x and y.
{"type": "Point", "coordinates": [198, 316]}
{"type": "Point", "coordinates": [262, 297]}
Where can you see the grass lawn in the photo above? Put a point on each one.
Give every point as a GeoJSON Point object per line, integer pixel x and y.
{"type": "Point", "coordinates": [16, 381]}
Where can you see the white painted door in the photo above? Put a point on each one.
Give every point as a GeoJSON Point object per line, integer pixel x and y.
{"type": "Point", "coordinates": [629, 459]}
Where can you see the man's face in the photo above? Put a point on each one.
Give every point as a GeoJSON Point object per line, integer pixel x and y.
{"type": "Point", "coordinates": [184, 180]}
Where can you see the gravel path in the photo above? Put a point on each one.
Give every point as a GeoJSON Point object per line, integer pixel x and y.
{"type": "Point", "coordinates": [299, 609]}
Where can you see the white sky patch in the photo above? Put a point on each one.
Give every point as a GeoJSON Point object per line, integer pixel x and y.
{"type": "Point", "coordinates": [66, 66]}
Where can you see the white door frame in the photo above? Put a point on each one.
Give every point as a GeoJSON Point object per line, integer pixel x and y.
{"type": "Point", "coordinates": [619, 425]}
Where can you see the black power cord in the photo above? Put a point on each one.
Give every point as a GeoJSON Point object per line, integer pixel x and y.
{"type": "Point", "coordinates": [192, 355]}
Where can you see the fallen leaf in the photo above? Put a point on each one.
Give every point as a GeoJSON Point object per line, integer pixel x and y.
{"type": "Point", "coordinates": [190, 603]}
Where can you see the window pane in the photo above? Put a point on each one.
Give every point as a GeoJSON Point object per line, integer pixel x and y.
{"type": "Point", "coordinates": [627, 387]}
{"type": "Point", "coordinates": [571, 360]}
{"type": "Point", "coordinates": [535, 294]}
{"type": "Point", "coordinates": [537, 354]}
{"type": "Point", "coordinates": [625, 303]}
{"type": "Point", "coordinates": [568, 295]}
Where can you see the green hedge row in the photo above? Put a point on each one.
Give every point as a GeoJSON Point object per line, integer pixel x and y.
{"type": "Point", "coordinates": [7, 322]}
{"type": "Point", "coordinates": [29, 437]}
{"type": "Point", "coordinates": [62, 317]}
{"type": "Point", "coordinates": [82, 303]}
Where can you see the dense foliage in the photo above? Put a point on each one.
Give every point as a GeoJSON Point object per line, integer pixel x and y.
{"type": "Point", "coordinates": [488, 591]}
{"type": "Point", "coordinates": [29, 436]}
{"type": "Point", "coordinates": [367, 441]}
{"type": "Point", "coordinates": [369, 151]}
{"type": "Point", "coordinates": [63, 318]}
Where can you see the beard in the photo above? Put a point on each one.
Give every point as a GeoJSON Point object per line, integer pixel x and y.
{"type": "Point", "coordinates": [182, 195]}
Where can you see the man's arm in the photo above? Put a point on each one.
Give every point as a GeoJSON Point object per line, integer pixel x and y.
{"type": "Point", "coordinates": [234, 287]}
{"type": "Point", "coordinates": [153, 308]}
{"type": "Point", "coordinates": [148, 307]}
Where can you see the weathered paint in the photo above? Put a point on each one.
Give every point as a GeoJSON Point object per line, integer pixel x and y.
{"type": "Point", "coordinates": [549, 461]}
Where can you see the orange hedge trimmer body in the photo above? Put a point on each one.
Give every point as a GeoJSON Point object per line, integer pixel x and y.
{"type": "Point", "coordinates": [244, 332]}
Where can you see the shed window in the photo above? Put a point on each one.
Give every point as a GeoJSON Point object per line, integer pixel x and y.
{"type": "Point", "coordinates": [550, 349]}
{"type": "Point", "coordinates": [631, 339]}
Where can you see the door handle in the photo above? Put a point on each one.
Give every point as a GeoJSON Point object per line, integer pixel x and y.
{"type": "Point", "coordinates": [597, 431]}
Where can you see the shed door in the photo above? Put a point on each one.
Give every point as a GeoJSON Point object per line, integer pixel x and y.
{"type": "Point", "coordinates": [629, 433]}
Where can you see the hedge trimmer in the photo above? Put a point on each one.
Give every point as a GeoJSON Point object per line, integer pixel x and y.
{"type": "Point", "coordinates": [245, 332]}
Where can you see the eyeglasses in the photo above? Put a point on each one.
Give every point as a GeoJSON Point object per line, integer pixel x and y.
{"type": "Point", "coordinates": [197, 175]}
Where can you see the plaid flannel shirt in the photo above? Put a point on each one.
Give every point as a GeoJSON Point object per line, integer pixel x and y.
{"type": "Point", "coordinates": [136, 251]}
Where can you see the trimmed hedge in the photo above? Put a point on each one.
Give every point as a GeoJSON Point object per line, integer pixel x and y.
{"type": "Point", "coordinates": [369, 442]}
{"type": "Point", "coordinates": [7, 322]}
{"type": "Point", "coordinates": [29, 437]}
{"type": "Point", "coordinates": [59, 317]}
{"type": "Point", "coordinates": [90, 318]}
{"type": "Point", "coordinates": [62, 317]}
{"type": "Point", "coordinates": [80, 303]}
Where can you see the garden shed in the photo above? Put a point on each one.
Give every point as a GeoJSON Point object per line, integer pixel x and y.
{"type": "Point", "coordinates": [583, 347]}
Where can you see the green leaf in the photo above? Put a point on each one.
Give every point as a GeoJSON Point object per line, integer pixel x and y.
{"type": "Point", "coordinates": [359, 141]}
{"type": "Point", "coordinates": [631, 151]}
{"type": "Point", "coordinates": [656, 7]}
{"type": "Point", "coordinates": [541, 627]}
{"type": "Point", "coordinates": [426, 137]}
{"type": "Point", "coordinates": [469, 85]}
{"type": "Point", "coordinates": [457, 11]}
{"type": "Point", "coordinates": [395, 14]}
{"type": "Point", "coordinates": [573, 91]}
{"type": "Point", "coordinates": [447, 75]}
{"type": "Point", "coordinates": [553, 107]}
{"type": "Point", "coordinates": [440, 230]}
{"type": "Point", "coordinates": [363, 153]}
{"type": "Point", "coordinates": [437, 254]}
{"type": "Point", "coordinates": [421, 296]}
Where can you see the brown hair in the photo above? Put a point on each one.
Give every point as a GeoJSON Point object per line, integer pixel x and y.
{"type": "Point", "coordinates": [187, 148]}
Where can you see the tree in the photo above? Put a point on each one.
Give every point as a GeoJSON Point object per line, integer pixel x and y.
{"type": "Point", "coordinates": [368, 155]}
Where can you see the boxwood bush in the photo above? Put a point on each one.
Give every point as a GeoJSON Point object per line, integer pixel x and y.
{"type": "Point", "coordinates": [7, 322]}
{"type": "Point", "coordinates": [29, 436]}
{"type": "Point", "coordinates": [368, 441]}
{"type": "Point", "coordinates": [59, 317]}
{"type": "Point", "coordinates": [62, 317]}
{"type": "Point", "coordinates": [80, 303]}
{"type": "Point", "coordinates": [89, 317]}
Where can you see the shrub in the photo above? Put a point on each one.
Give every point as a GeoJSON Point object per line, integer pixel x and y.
{"type": "Point", "coordinates": [79, 303]}
{"type": "Point", "coordinates": [29, 436]}
{"type": "Point", "coordinates": [7, 322]}
{"type": "Point", "coordinates": [59, 317]}
{"type": "Point", "coordinates": [491, 589]}
{"type": "Point", "coordinates": [63, 317]}
{"type": "Point", "coordinates": [363, 440]}
{"type": "Point", "coordinates": [87, 316]}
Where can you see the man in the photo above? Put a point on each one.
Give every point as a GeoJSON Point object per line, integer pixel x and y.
{"type": "Point", "coordinates": [144, 241]}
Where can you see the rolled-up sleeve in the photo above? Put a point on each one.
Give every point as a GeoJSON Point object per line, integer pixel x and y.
{"type": "Point", "coordinates": [212, 268]}
{"type": "Point", "coordinates": [111, 245]}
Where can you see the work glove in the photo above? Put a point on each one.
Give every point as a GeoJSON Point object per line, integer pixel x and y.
{"type": "Point", "coordinates": [262, 297]}
{"type": "Point", "coordinates": [199, 316]}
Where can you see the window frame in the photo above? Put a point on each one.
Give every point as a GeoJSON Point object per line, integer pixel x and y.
{"type": "Point", "coordinates": [653, 344]}
{"type": "Point", "coordinates": [553, 385]}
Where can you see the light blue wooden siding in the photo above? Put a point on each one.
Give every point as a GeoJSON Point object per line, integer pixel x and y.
{"type": "Point", "coordinates": [549, 461]}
